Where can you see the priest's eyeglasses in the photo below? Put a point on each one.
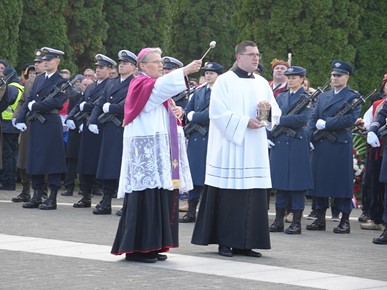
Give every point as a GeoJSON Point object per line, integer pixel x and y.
{"type": "Point", "coordinates": [252, 55]}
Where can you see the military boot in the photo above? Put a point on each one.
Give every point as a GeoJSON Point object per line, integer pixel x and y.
{"type": "Point", "coordinates": [319, 224]}
{"type": "Point", "coordinates": [25, 195]}
{"type": "Point", "coordinates": [105, 206]}
{"type": "Point", "coordinates": [85, 200]}
{"type": "Point", "coordinates": [295, 227]}
{"type": "Point", "coordinates": [190, 216]}
{"type": "Point", "coordinates": [278, 225]}
{"type": "Point", "coordinates": [344, 226]}
{"type": "Point", "coordinates": [50, 202]}
{"type": "Point", "coordinates": [35, 201]}
{"type": "Point", "coordinates": [382, 240]}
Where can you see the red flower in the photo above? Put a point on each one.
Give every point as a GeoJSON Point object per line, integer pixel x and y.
{"type": "Point", "coordinates": [356, 188]}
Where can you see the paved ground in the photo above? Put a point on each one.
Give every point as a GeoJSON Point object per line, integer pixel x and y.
{"type": "Point", "coordinates": [69, 249]}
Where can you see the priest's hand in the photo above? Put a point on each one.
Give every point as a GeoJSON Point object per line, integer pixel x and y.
{"type": "Point", "coordinates": [193, 67]}
{"type": "Point", "coordinates": [264, 105]}
{"type": "Point", "coordinates": [254, 123]}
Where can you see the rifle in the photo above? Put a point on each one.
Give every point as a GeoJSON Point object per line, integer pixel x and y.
{"type": "Point", "coordinates": [35, 115]}
{"type": "Point", "coordinates": [195, 127]}
{"type": "Point", "coordinates": [184, 94]}
{"type": "Point", "coordinates": [4, 80]}
{"type": "Point", "coordinates": [296, 109]}
{"type": "Point", "coordinates": [108, 117]}
{"type": "Point", "coordinates": [82, 114]}
{"type": "Point", "coordinates": [343, 110]}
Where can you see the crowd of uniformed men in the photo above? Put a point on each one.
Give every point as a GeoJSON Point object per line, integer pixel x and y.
{"type": "Point", "coordinates": [61, 127]}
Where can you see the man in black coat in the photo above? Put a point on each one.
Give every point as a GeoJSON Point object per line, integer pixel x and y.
{"type": "Point", "coordinates": [46, 152]}
{"type": "Point", "coordinates": [110, 109]}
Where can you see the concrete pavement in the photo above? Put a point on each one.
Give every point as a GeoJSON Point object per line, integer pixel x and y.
{"type": "Point", "coordinates": [69, 249]}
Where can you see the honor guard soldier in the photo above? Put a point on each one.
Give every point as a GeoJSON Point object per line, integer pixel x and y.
{"type": "Point", "coordinates": [291, 173]}
{"type": "Point", "coordinates": [170, 64]}
{"type": "Point", "coordinates": [197, 131]}
{"type": "Point", "coordinates": [332, 158]}
{"type": "Point", "coordinates": [46, 152]}
{"type": "Point", "coordinates": [90, 143]}
{"type": "Point", "coordinates": [108, 115]}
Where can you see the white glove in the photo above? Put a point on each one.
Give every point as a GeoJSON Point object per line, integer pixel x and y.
{"type": "Point", "coordinates": [94, 128]}
{"type": "Point", "coordinates": [70, 124]}
{"type": "Point", "coordinates": [105, 107]}
{"type": "Point", "coordinates": [320, 124]}
{"type": "Point", "coordinates": [372, 139]}
{"type": "Point", "coordinates": [311, 146]}
{"type": "Point", "coordinates": [21, 126]}
{"type": "Point", "coordinates": [189, 115]}
{"type": "Point", "coordinates": [13, 122]}
{"type": "Point", "coordinates": [30, 104]}
{"type": "Point", "coordinates": [80, 129]}
{"type": "Point", "coordinates": [81, 105]}
{"type": "Point", "coordinates": [270, 144]}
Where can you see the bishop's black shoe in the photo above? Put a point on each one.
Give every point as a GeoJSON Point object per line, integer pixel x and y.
{"type": "Point", "coordinates": [246, 252]}
{"type": "Point", "coordinates": [225, 251]}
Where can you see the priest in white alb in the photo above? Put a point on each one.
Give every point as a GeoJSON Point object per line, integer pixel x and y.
{"type": "Point", "coordinates": [233, 210]}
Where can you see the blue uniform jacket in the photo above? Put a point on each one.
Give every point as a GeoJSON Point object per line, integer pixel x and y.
{"type": "Point", "coordinates": [109, 161]}
{"type": "Point", "coordinates": [46, 152]}
{"type": "Point", "coordinates": [290, 157]}
{"type": "Point", "coordinates": [90, 144]}
{"type": "Point", "coordinates": [332, 163]}
{"type": "Point", "coordinates": [197, 144]}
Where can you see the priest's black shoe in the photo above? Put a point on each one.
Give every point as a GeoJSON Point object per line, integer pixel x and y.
{"type": "Point", "coordinates": [22, 197]}
{"type": "Point", "coordinates": [225, 251]}
{"type": "Point", "coordinates": [48, 204]}
{"type": "Point", "coordinates": [141, 257]}
{"type": "Point", "coordinates": [83, 203]}
{"type": "Point", "coordinates": [102, 210]}
{"type": "Point", "coordinates": [382, 240]}
{"type": "Point", "coordinates": [246, 252]}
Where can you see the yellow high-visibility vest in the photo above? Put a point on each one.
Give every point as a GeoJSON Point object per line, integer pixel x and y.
{"type": "Point", "coordinates": [8, 113]}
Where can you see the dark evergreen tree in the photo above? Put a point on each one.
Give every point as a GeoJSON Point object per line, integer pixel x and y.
{"type": "Point", "coordinates": [135, 24]}
{"type": "Point", "coordinates": [10, 18]}
{"type": "Point", "coordinates": [87, 30]}
{"type": "Point", "coordinates": [197, 23]}
{"type": "Point", "coordinates": [317, 32]}
{"type": "Point", "coordinates": [371, 56]}
{"type": "Point", "coordinates": [42, 25]}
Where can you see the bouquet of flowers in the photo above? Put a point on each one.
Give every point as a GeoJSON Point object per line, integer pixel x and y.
{"type": "Point", "coordinates": [358, 167]}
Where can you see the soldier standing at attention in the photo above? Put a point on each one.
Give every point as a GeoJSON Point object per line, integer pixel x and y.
{"type": "Point", "coordinates": [332, 160]}
{"type": "Point", "coordinates": [46, 152]}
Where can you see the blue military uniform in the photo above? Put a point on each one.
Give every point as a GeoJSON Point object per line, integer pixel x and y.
{"type": "Point", "coordinates": [169, 64]}
{"type": "Point", "coordinates": [290, 168]}
{"type": "Point", "coordinates": [46, 152]}
{"type": "Point", "coordinates": [90, 145]}
{"type": "Point", "coordinates": [198, 139]}
{"type": "Point", "coordinates": [332, 163]}
{"type": "Point", "coordinates": [109, 161]}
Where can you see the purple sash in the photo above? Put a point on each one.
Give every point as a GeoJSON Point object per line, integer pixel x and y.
{"type": "Point", "coordinates": [174, 148]}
